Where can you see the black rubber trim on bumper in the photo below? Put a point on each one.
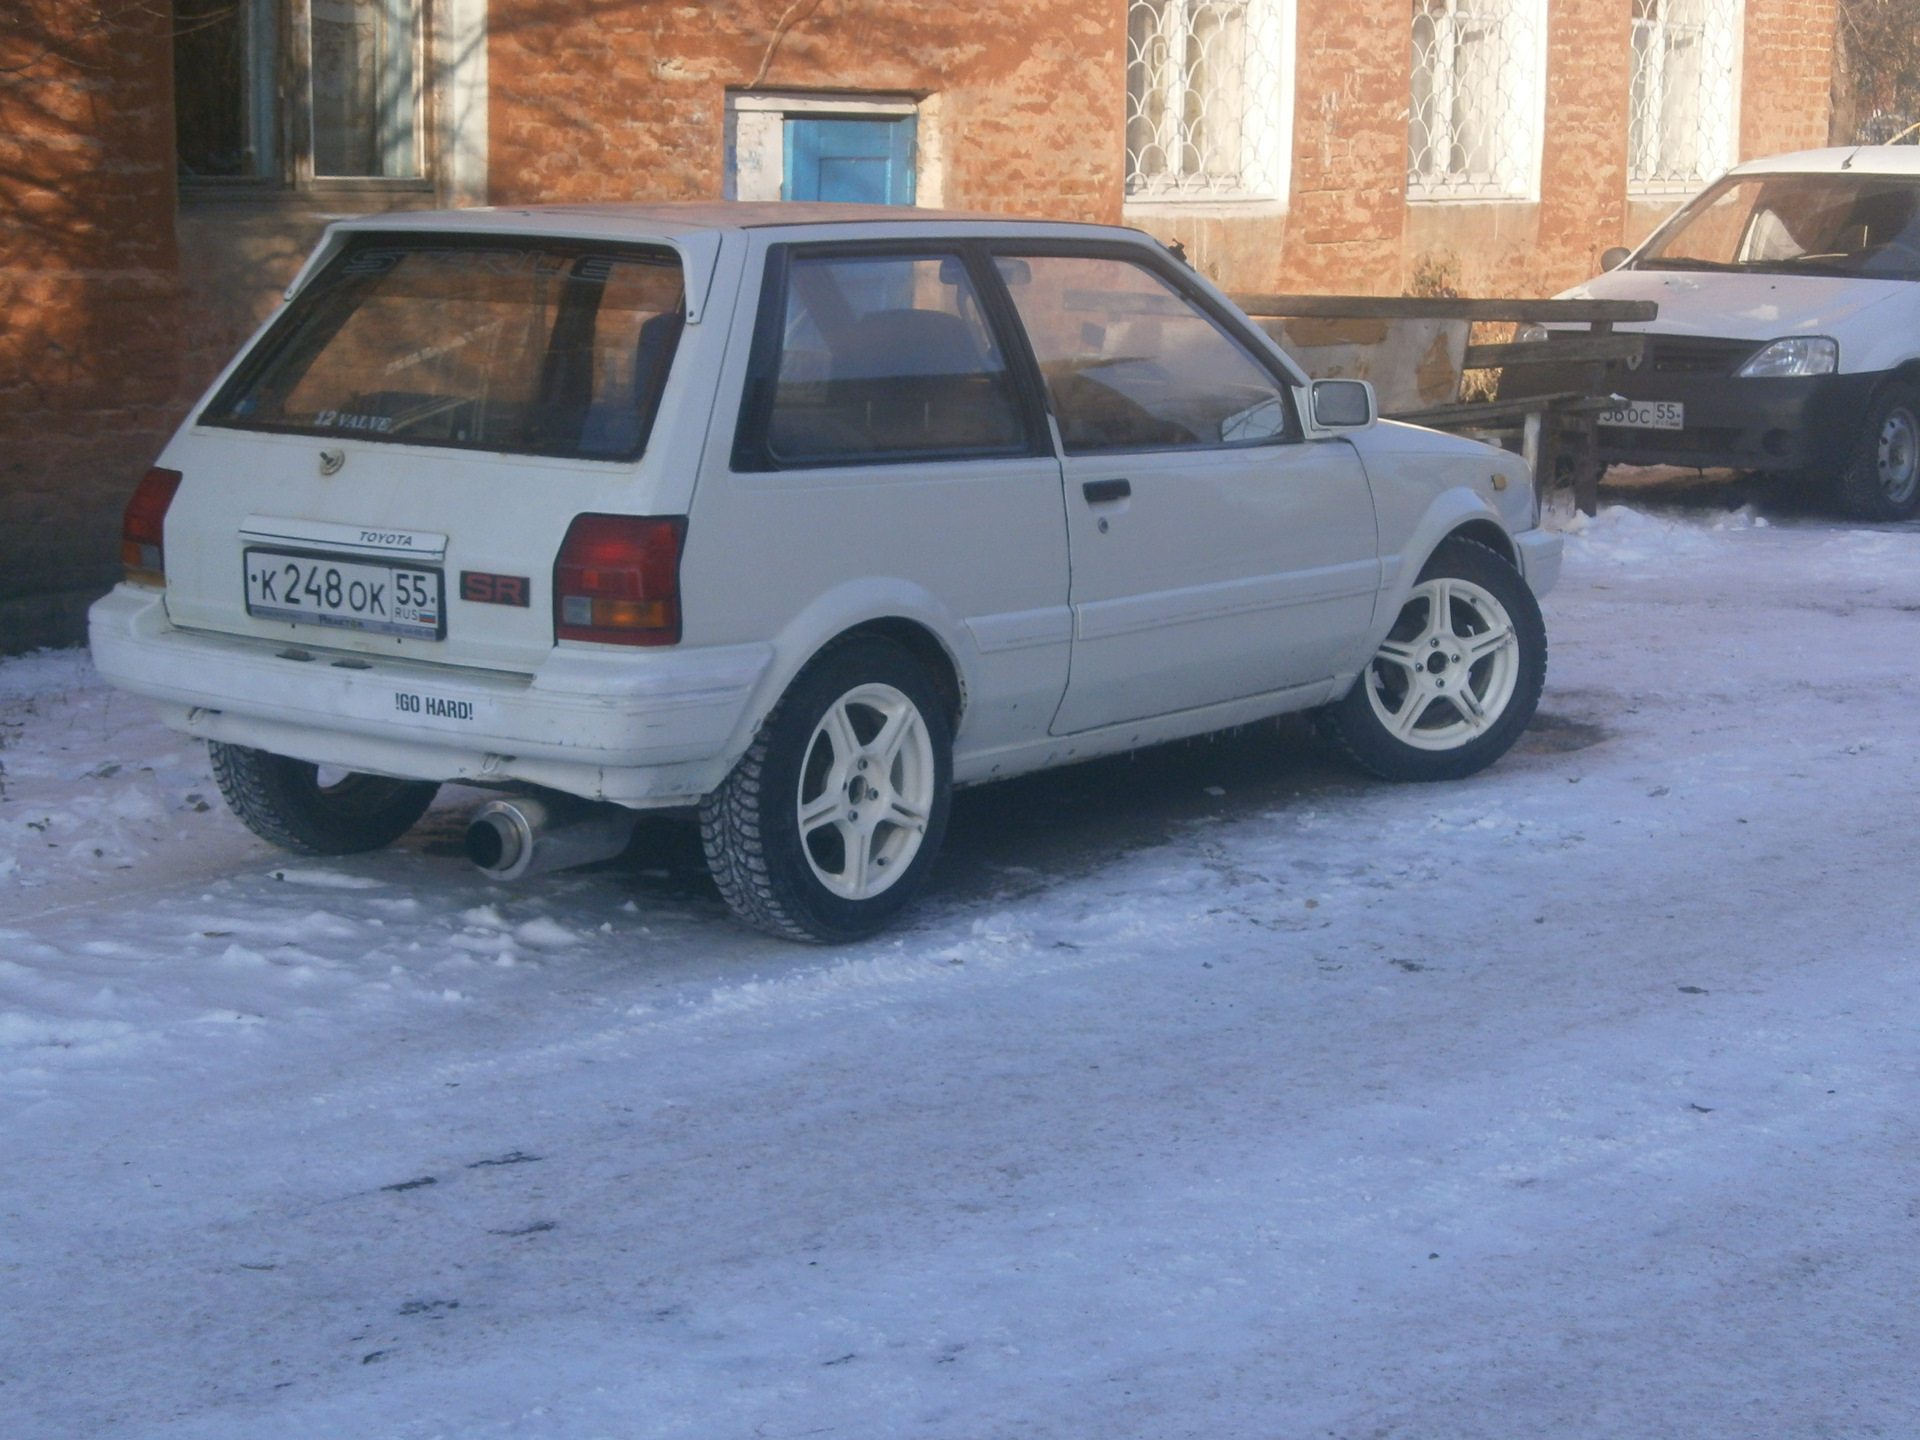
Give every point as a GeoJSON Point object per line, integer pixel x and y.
{"type": "Point", "coordinates": [1808, 423]}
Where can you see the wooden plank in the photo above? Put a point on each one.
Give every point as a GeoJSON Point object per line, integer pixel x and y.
{"type": "Point", "coordinates": [1628, 346]}
{"type": "Point", "coordinates": [1561, 402]}
{"type": "Point", "coordinates": [1410, 307]}
{"type": "Point", "coordinates": [1478, 412]}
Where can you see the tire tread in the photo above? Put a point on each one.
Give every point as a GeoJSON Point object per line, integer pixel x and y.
{"type": "Point", "coordinates": [258, 787]}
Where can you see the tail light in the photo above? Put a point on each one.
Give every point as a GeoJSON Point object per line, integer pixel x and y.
{"type": "Point", "coordinates": [617, 580]}
{"type": "Point", "coordinates": [141, 529]}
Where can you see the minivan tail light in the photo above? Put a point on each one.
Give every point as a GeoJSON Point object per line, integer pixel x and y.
{"type": "Point", "coordinates": [142, 528]}
{"type": "Point", "coordinates": [617, 580]}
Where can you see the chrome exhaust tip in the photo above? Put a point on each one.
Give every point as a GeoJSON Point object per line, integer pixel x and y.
{"type": "Point", "coordinates": [522, 836]}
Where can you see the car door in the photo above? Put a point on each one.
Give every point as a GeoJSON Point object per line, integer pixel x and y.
{"type": "Point", "coordinates": [1215, 553]}
{"type": "Point", "coordinates": [888, 461]}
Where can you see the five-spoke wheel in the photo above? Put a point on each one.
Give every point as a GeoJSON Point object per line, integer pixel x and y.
{"type": "Point", "coordinates": [827, 827]}
{"type": "Point", "coordinates": [866, 790]}
{"type": "Point", "coordinates": [1457, 677]}
{"type": "Point", "coordinates": [1448, 668]}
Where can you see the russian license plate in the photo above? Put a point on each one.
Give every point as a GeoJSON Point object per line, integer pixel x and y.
{"type": "Point", "coordinates": [1648, 415]}
{"type": "Point", "coordinates": [346, 594]}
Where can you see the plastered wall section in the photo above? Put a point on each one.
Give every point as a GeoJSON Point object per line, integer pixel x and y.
{"type": "Point", "coordinates": [88, 298]}
{"type": "Point", "coordinates": [626, 101]}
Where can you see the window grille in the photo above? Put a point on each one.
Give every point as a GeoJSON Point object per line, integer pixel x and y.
{"type": "Point", "coordinates": [1680, 130]}
{"type": "Point", "coordinates": [1478, 67]}
{"type": "Point", "coordinates": [1208, 95]}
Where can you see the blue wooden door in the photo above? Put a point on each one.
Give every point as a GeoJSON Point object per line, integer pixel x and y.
{"type": "Point", "coordinates": [868, 162]}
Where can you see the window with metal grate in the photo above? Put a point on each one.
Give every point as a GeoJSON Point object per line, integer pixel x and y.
{"type": "Point", "coordinates": [1685, 93]}
{"type": "Point", "coordinates": [1209, 99]}
{"type": "Point", "coordinates": [1478, 95]}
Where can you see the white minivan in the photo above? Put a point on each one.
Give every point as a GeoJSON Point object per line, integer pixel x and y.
{"type": "Point", "coordinates": [799, 515]}
{"type": "Point", "coordinates": [1789, 329]}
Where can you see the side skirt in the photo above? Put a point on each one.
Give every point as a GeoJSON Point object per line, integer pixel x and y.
{"type": "Point", "coordinates": [974, 767]}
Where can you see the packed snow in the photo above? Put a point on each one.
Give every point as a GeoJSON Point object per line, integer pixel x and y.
{"type": "Point", "coordinates": [1214, 1092]}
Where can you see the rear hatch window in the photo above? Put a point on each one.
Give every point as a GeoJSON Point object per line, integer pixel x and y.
{"type": "Point", "coordinates": [552, 348]}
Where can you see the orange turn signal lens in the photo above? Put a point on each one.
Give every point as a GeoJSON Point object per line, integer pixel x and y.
{"type": "Point", "coordinates": [617, 580]}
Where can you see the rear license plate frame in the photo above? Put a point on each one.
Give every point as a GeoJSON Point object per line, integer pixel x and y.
{"type": "Point", "coordinates": [398, 608]}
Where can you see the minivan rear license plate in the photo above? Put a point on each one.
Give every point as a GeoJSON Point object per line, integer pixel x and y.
{"type": "Point", "coordinates": [347, 594]}
{"type": "Point", "coordinates": [1647, 415]}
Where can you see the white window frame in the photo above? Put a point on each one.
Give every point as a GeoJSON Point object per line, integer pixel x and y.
{"type": "Point", "coordinates": [1513, 118]}
{"type": "Point", "coordinates": [1160, 163]}
{"type": "Point", "coordinates": [756, 139]}
{"type": "Point", "coordinates": [1653, 169]}
{"type": "Point", "coordinates": [450, 104]}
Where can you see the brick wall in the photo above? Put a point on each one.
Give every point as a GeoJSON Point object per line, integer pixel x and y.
{"type": "Point", "coordinates": [88, 297]}
{"type": "Point", "coordinates": [626, 100]}
{"type": "Point", "coordinates": [1786, 77]}
{"type": "Point", "coordinates": [117, 304]}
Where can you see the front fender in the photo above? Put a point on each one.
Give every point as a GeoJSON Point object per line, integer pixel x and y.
{"type": "Point", "coordinates": [1451, 510]}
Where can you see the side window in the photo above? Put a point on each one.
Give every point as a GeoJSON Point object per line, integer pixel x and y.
{"type": "Point", "coordinates": [1132, 364]}
{"type": "Point", "coordinates": [886, 358]}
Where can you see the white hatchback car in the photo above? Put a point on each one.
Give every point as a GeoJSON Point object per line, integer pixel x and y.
{"type": "Point", "coordinates": [1789, 331]}
{"type": "Point", "coordinates": [799, 514]}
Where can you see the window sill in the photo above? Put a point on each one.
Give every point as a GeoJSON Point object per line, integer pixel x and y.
{"type": "Point", "coordinates": [322, 197]}
{"type": "Point", "coordinates": [1202, 207]}
{"type": "Point", "coordinates": [1467, 197]}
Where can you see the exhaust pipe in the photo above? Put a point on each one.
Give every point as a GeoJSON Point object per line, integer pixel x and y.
{"type": "Point", "coordinates": [523, 836]}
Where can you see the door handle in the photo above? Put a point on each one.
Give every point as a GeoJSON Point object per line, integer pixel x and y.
{"type": "Point", "coordinates": [1105, 492]}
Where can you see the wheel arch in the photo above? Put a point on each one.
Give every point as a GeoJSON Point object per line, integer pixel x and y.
{"type": "Point", "coordinates": [919, 641]}
{"type": "Point", "coordinates": [1484, 532]}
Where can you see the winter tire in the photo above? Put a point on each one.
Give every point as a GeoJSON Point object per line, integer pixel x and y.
{"type": "Point", "coordinates": [283, 802]}
{"type": "Point", "coordinates": [827, 827]}
{"type": "Point", "coordinates": [1881, 479]}
{"type": "Point", "coordinates": [1457, 678]}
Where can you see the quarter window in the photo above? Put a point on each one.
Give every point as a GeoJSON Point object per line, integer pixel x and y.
{"type": "Point", "coordinates": [1478, 96]}
{"type": "Point", "coordinates": [1131, 364]}
{"type": "Point", "coordinates": [886, 358]}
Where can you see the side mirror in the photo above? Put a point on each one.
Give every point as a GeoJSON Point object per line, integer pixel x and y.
{"type": "Point", "coordinates": [1343, 405]}
{"type": "Point", "coordinates": [1614, 257]}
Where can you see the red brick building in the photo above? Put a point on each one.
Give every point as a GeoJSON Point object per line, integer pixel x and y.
{"type": "Point", "coordinates": [159, 182]}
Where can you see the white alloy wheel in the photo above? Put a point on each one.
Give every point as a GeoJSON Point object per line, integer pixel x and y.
{"type": "Point", "coordinates": [866, 787]}
{"type": "Point", "coordinates": [1449, 667]}
{"type": "Point", "coordinates": [1897, 455]}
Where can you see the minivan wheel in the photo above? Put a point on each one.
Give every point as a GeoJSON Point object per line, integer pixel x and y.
{"type": "Point", "coordinates": [827, 827]}
{"type": "Point", "coordinates": [1881, 479]}
{"type": "Point", "coordinates": [1457, 678]}
{"type": "Point", "coordinates": [283, 802]}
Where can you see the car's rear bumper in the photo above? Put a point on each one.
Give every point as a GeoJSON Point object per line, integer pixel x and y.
{"type": "Point", "coordinates": [646, 727]}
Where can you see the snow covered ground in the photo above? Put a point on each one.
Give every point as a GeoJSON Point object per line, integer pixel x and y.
{"type": "Point", "coordinates": [1215, 1093]}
